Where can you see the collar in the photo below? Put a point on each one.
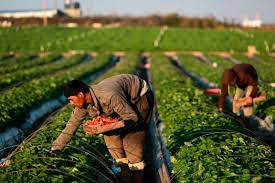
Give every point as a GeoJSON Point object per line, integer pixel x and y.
{"type": "Point", "coordinates": [94, 101]}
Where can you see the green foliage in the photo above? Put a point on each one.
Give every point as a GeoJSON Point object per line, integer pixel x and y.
{"type": "Point", "coordinates": [11, 66]}
{"type": "Point", "coordinates": [9, 79]}
{"type": "Point", "coordinates": [54, 38]}
{"type": "Point", "coordinates": [85, 158]}
{"type": "Point", "coordinates": [16, 103]}
{"type": "Point", "coordinates": [82, 158]}
{"type": "Point", "coordinates": [205, 146]}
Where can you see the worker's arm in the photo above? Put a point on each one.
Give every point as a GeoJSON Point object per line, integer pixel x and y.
{"type": "Point", "coordinates": [224, 93]}
{"type": "Point", "coordinates": [252, 90]}
{"type": "Point", "coordinates": [71, 127]}
{"type": "Point", "coordinates": [250, 93]}
{"type": "Point", "coordinates": [251, 79]}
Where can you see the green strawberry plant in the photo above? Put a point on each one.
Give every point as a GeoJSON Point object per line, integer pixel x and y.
{"type": "Point", "coordinates": [17, 102]}
{"type": "Point", "coordinates": [205, 145]}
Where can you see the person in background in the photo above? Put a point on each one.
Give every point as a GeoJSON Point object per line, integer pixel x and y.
{"type": "Point", "coordinates": [245, 78]}
{"type": "Point", "coordinates": [124, 96]}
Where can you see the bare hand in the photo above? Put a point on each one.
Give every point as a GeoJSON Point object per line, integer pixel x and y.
{"type": "Point", "coordinates": [56, 147]}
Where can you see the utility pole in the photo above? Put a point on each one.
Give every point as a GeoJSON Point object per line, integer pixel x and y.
{"type": "Point", "coordinates": [55, 4]}
{"type": "Point", "coordinates": [92, 8]}
{"type": "Point", "coordinates": [44, 7]}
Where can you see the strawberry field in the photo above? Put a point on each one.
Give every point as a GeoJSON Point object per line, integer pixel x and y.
{"type": "Point", "coordinates": [203, 145]}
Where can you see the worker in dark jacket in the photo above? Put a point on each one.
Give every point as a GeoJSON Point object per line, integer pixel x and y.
{"type": "Point", "coordinates": [124, 96]}
{"type": "Point", "coordinates": [245, 78]}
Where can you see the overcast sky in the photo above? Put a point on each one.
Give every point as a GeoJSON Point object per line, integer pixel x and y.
{"type": "Point", "coordinates": [231, 9]}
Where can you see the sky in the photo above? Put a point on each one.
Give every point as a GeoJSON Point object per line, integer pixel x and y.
{"type": "Point", "coordinates": [221, 9]}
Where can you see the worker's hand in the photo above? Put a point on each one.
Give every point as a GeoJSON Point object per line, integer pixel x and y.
{"type": "Point", "coordinates": [245, 101]}
{"type": "Point", "coordinates": [220, 109]}
{"type": "Point", "coordinates": [56, 147]}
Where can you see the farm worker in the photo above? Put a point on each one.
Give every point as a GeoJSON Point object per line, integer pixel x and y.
{"type": "Point", "coordinates": [244, 77]}
{"type": "Point", "coordinates": [125, 96]}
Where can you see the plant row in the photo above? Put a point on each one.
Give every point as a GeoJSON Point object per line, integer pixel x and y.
{"type": "Point", "coordinates": [54, 38]}
{"type": "Point", "coordinates": [17, 102]}
{"type": "Point", "coordinates": [205, 146]}
{"type": "Point", "coordinates": [9, 79]}
{"type": "Point", "coordinates": [11, 67]}
{"type": "Point", "coordinates": [5, 56]}
{"type": "Point", "coordinates": [85, 158]}
{"type": "Point", "coordinates": [22, 58]}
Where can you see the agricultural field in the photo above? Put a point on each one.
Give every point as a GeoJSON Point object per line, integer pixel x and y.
{"type": "Point", "coordinates": [204, 145]}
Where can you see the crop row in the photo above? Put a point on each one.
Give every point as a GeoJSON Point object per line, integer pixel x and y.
{"type": "Point", "coordinates": [55, 38]}
{"type": "Point", "coordinates": [38, 71]}
{"type": "Point", "coordinates": [215, 39]}
{"type": "Point", "coordinates": [205, 146]}
{"type": "Point", "coordinates": [85, 158]}
{"type": "Point", "coordinates": [26, 57]}
{"type": "Point", "coordinates": [61, 39]}
{"type": "Point", "coordinates": [16, 103]}
{"type": "Point", "coordinates": [10, 67]}
{"type": "Point", "coordinates": [5, 56]}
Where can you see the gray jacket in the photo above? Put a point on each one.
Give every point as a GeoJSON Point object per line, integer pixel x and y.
{"type": "Point", "coordinates": [114, 95]}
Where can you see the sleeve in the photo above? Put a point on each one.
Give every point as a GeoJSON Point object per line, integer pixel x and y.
{"type": "Point", "coordinates": [224, 93]}
{"type": "Point", "coordinates": [71, 127]}
{"type": "Point", "coordinates": [121, 106]}
{"type": "Point", "coordinates": [254, 90]}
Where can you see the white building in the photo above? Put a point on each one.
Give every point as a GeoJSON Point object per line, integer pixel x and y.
{"type": "Point", "coordinates": [71, 8]}
{"type": "Point", "coordinates": [31, 13]}
{"type": "Point", "coordinates": [252, 23]}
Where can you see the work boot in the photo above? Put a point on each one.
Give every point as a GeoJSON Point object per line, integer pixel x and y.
{"type": "Point", "coordinates": [138, 176]}
{"type": "Point", "coordinates": [125, 174]}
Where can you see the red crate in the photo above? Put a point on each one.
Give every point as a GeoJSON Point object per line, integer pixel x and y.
{"type": "Point", "coordinates": [101, 124]}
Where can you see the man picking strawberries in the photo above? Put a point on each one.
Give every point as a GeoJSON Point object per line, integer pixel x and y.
{"type": "Point", "coordinates": [126, 97]}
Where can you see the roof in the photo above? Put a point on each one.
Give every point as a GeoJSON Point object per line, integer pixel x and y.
{"type": "Point", "coordinates": [30, 13]}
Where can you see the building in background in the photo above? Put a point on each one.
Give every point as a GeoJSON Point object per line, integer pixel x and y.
{"type": "Point", "coordinates": [252, 23]}
{"type": "Point", "coordinates": [72, 8]}
{"type": "Point", "coordinates": [32, 13]}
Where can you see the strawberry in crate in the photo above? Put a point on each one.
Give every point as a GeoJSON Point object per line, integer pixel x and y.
{"type": "Point", "coordinates": [101, 124]}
